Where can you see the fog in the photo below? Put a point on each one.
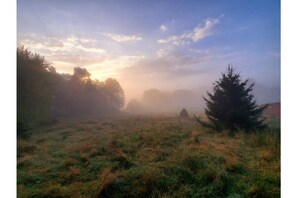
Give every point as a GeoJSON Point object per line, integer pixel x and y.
{"type": "Point", "coordinates": [173, 101]}
{"type": "Point", "coordinates": [156, 101]}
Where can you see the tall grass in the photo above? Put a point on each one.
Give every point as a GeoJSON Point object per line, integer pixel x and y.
{"type": "Point", "coordinates": [146, 157]}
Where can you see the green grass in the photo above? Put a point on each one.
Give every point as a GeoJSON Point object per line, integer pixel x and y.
{"type": "Point", "coordinates": [147, 157]}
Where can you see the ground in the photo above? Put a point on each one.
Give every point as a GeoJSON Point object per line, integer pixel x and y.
{"type": "Point", "coordinates": [146, 156]}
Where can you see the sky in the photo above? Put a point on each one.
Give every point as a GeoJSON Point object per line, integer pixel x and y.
{"type": "Point", "coordinates": [155, 44]}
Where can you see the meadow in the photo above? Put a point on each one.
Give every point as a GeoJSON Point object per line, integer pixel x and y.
{"type": "Point", "coordinates": [147, 156]}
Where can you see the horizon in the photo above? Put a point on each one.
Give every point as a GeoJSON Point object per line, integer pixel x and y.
{"type": "Point", "coordinates": [163, 45]}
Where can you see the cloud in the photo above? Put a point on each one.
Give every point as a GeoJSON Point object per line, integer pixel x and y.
{"type": "Point", "coordinates": [90, 49]}
{"type": "Point", "coordinates": [68, 44]}
{"type": "Point", "coordinates": [173, 67]}
{"type": "Point", "coordinates": [161, 53]}
{"type": "Point", "coordinates": [88, 40]}
{"type": "Point", "coordinates": [77, 59]}
{"type": "Point", "coordinates": [65, 52]}
{"type": "Point", "coordinates": [119, 62]}
{"type": "Point", "coordinates": [167, 65]}
{"type": "Point", "coordinates": [175, 40]}
{"type": "Point", "coordinates": [204, 31]}
{"type": "Point", "coordinates": [35, 45]}
{"type": "Point", "coordinates": [88, 45]}
{"type": "Point", "coordinates": [124, 38]}
{"type": "Point", "coordinates": [163, 28]}
{"type": "Point", "coordinates": [200, 32]}
{"type": "Point", "coordinates": [170, 64]}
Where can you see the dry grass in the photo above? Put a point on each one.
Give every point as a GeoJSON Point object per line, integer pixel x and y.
{"type": "Point", "coordinates": [146, 156]}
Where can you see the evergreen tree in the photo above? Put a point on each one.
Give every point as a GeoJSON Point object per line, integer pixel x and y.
{"type": "Point", "coordinates": [183, 113]}
{"type": "Point", "coordinates": [232, 106]}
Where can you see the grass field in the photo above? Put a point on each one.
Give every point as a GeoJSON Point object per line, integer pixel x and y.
{"type": "Point", "coordinates": [146, 156]}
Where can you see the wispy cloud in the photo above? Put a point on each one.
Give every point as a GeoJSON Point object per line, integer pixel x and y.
{"type": "Point", "coordinates": [91, 49]}
{"type": "Point", "coordinates": [161, 52]}
{"type": "Point", "coordinates": [65, 52]}
{"type": "Point", "coordinates": [77, 59]}
{"type": "Point", "coordinates": [119, 61]}
{"type": "Point", "coordinates": [87, 40]}
{"type": "Point", "coordinates": [69, 51]}
{"type": "Point", "coordinates": [51, 44]}
{"type": "Point", "coordinates": [62, 45]}
{"type": "Point", "coordinates": [110, 66]}
{"type": "Point", "coordinates": [163, 28]}
{"type": "Point", "coordinates": [124, 38]}
{"type": "Point", "coordinates": [207, 29]}
{"type": "Point", "coordinates": [175, 40]}
{"type": "Point", "coordinates": [197, 34]}
{"type": "Point", "coordinates": [171, 64]}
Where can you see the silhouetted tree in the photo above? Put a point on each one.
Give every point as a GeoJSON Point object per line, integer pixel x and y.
{"type": "Point", "coordinates": [134, 106]}
{"type": "Point", "coordinates": [44, 94]}
{"type": "Point", "coordinates": [184, 113]}
{"type": "Point", "coordinates": [80, 96]}
{"type": "Point", "coordinates": [232, 106]}
{"type": "Point", "coordinates": [35, 90]}
{"type": "Point", "coordinates": [115, 93]}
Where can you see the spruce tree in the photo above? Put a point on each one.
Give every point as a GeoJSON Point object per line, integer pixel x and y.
{"type": "Point", "coordinates": [183, 113]}
{"type": "Point", "coordinates": [232, 105]}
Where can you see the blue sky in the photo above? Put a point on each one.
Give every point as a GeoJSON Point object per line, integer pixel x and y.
{"type": "Point", "coordinates": [156, 44]}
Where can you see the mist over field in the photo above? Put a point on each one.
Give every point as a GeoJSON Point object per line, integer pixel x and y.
{"type": "Point", "coordinates": [157, 101]}
{"type": "Point", "coordinates": [157, 45]}
{"type": "Point", "coordinates": [148, 98]}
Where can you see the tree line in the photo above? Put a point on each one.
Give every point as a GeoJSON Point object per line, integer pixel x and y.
{"type": "Point", "coordinates": [43, 95]}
